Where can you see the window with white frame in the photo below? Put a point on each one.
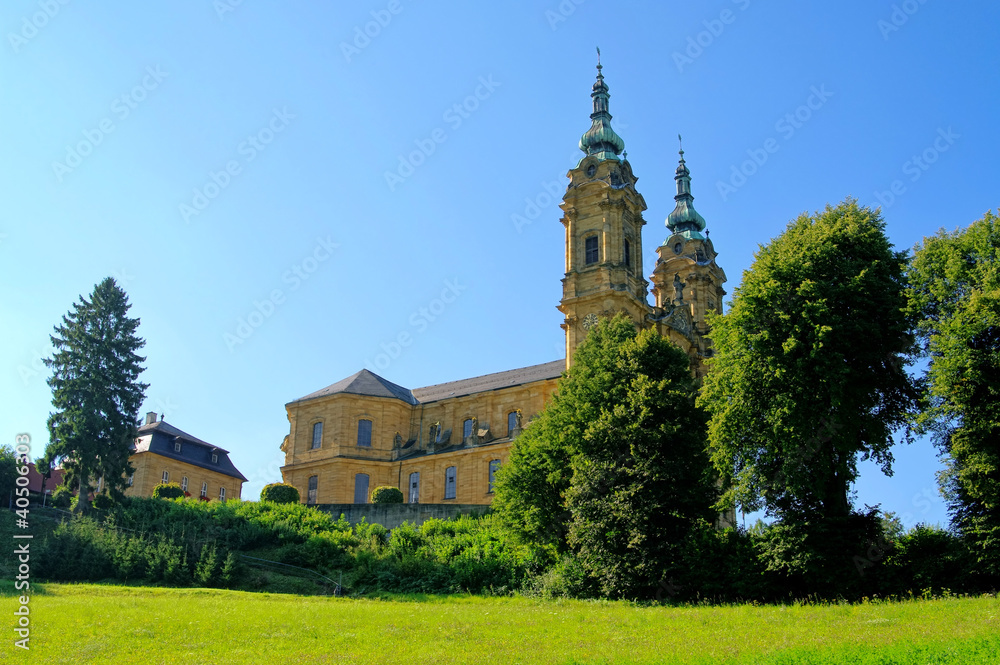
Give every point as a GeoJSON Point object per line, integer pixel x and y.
{"type": "Point", "coordinates": [215, 458]}
{"type": "Point", "coordinates": [177, 446]}
{"type": "Point", "coordinates": [449, 482]}
{"type": "Point", "coordinates": [166, 476]}
{"type": "Point", "coordinates": [317, 435]}
{"type": "Point", "coordinates": [313, 485]}
{"type": "Point", "coordinates": [131, 478]}
{"type": "Point", "coordinates": [222, 494]}
{"type": "Point", "coordinates": [184, 483]}
{"type": "Point", "coordinates": [204, 489]}
{"type": "Point", "coordinates": [365, 433]}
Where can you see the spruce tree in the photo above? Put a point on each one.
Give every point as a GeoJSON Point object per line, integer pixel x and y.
{"type": "Point", "coordinates": [96, 392]}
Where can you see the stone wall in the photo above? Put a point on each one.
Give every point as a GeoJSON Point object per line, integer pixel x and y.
{"type": "Point", "coordinates": [391, 515]}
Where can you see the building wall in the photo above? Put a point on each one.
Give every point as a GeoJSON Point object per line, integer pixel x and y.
{"type": "Point", "coordinates": [338, 460]}
{"type": "Point", "coordinates": [149, 468]}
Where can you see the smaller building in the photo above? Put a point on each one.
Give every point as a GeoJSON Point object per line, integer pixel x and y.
{"type": "Point", "coordinates": [164, 454]}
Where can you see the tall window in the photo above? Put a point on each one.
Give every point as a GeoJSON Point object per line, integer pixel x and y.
{"type": "Point", "coordinates": [166, 476]}
{"type": "Point", "coordinates": [415, 487]}
{"type": "Point", "coordinates": [511, 423]}
{"type": "Point", "coordinates": [365, 433]}
{"type": "Point", "coordinates": [222, 494]}
{"type": "Point", "coordinates": [361, 488]}
{"type": "Point", "coordinates": [317, 435]}
{"type": "Point", "coordinates": [494, 465]}
{"type": "Point", "coordinates": [432, 435]}
{"type": "Point", "coordinates": [215, 458]}
{"type": "Point", "coordinates": [184, 483]}
{"type": "Point", "coordinates": [628, 254]}
{"type": "Point", "coordinates": [204, 489]}
{"type": "Point", "coordinates": [449, 483]}
{"type": "Point", "coordinates": [467, 428]}
{"type": "Point", "coordinates": [130, 479]}
{"type": "Point", "coordinates": [591, 253]}
{"type": "Point", "coordinates": [177, 446]}
{"type": "Point", "coordinates": [313, 483]}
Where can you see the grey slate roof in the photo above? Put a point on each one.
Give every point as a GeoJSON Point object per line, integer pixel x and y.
{"type": "Point", "coordinates": [369, 383]}
{"type": "Point", "coordinates": [479, 384]}
{"type": "Point", "coordinates": [363, 383]}
{"type": "Point", "coordinates": [193, 450]}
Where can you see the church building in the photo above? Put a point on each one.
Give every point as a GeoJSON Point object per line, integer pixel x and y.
{"type": "Point", "coordinates": [444, 443]}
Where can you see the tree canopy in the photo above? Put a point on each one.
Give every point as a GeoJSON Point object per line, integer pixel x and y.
{"type": "Point", "coordinates": [614, 469]}
{"type": "Point", "coordinates": [96, 391]}
{"type": "Point", "coordinates": [808, 375]}
{"type": "Point", "coordinates": [955, 290]}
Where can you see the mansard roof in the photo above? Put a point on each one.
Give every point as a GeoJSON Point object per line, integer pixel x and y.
{"type": "Point", "coordinates": [363, 383]}
{"type": "Point", "coordinates": [159, 438]}
{"type": "Point", "coordinates": [371, 384]}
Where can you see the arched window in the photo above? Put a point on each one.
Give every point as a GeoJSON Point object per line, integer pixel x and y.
{"type": "Point", "coordinates": [467, 428]}
{"type": "Point", "coordinates": [222, 494]}
{"type": "Point", "coordinates": [449, 482]}
{"type": "Point", "coordinates": [511, 423]}
{"type": "Point", "coordinates": [313, 484]}
{"type": "Point", "coordinates": [317, 435]}
{"type": "Point", "coordinates": [365, 433]}
{"type": "Point", "coordinates": [166, 476]}
{"type": "Point", "coordinates": [591, 252]}
{"type": "Point", "coordinates": [204, 490]}
{"type": "Point", "coordinates": [361, 488]}
{"type": "Point", "coordinates": [184, 483]}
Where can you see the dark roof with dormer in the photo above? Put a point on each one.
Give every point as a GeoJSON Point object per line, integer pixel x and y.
{"type": "Point", "coordinates": [370, 384]}
{"type": "Point", "coordinates": [194, 451]}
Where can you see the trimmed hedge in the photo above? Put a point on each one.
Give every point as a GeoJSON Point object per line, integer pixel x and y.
{"type": "Point", "coordinates": [387, 494]}
{"type": "Point", "coordinates": [168, 491]}
{"type": "Point", "coordinates": [280, 493]}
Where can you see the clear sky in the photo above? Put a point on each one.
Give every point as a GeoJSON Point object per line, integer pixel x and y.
{"type": "Point", "coordinates": [285, 188]}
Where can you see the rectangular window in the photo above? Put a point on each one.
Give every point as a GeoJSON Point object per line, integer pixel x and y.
{"type": "Point", "coordinates": [130, 479]}
{"type": "Point", "coordinates": [449, 483]}
{"type": "Point", "coordinates": [215, 458]}
{"type": "Point", "coordinates": [511, 423]}
{"type": "Point", "coordinates": [222, 494]}
{"type": "Point", "coordinates": [591, 253]}
{"type": "Point", "coordinates": [365, 433]}
{"type": "Point", "coordinates": [628, 254]}
{"type": "Point", "coordinates": [177, 446]}
{"type": "Point", "coordinates": [494, 465]}
{"type": "Point", "coordinates": [361, 488]}
{"type": "Point", "coordinates": [415, 487]}
{"type": "Point", "coordinates": [184, 483]}
{"type": "Point", "coordinates": [313, 483]}
{"type": "Point", "coordinates": [166, 476]}
{"type": "Point", "coordinates": [317, 435]}
{"type": "Point", "coordinates": [204, 489]}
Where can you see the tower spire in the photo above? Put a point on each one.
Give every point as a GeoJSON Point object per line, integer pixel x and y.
{"type": "Point", "coordinates": [601, 140]}
{"type": "Point", "coordinates": [684, 217]}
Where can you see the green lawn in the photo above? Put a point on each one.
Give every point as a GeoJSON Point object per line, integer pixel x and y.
{"type": "Point", "coordinates": [107, 624]}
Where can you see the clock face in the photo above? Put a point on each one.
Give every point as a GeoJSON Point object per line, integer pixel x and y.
{"type": "Point", "coordinates": [589, 321]}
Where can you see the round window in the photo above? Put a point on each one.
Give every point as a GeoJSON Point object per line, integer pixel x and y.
{"type": "Point", "coordinates": [591, 170]}
{"type": "Point", "coordinates": [677, 248]}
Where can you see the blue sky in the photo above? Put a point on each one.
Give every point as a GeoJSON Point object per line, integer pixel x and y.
{"type": "Point", "coordinates": [284, 189]}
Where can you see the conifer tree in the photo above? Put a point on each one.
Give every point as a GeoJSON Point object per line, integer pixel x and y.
{"type": "Point", "coordinates": [96, 392]}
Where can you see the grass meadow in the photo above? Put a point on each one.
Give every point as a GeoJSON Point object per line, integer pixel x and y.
{"type": "Point", "coordinates": [90, 623]}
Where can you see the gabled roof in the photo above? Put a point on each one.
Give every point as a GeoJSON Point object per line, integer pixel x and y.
{"type": "Point", "coordinates": [363, 383]}
{"type": "Point", "coordinates": [479, 384]}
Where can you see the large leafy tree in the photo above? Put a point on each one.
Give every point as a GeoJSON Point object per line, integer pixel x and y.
{"type": "Point", "coordinates": [955, 289]}
{"type": "Point", "coordinates": [96, 391]}
{"type": "Point", "coordinates": [615, 469]}
{"type": "Point", "coordinates": [808, 376]}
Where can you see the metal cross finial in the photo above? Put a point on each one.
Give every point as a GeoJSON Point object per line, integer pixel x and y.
{"type": "Point", "coordinates": [680, 144]}
{"type": "Point", "coordinates": [598, 56]}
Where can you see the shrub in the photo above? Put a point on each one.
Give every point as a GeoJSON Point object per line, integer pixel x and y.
{"type": "Point", "coordinates": [168, 491]}
{"type": "Point", "coordinates": [387, 494]}
{"type": "Point", "coordinates": [62, 497]}
{"type": "Point", "coordinates": [103, 501]}
{"type": "Point", "coordinates": [279, 493]}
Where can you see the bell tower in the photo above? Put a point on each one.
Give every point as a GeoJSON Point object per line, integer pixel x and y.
{"type": "Point", "coordinates": [602, 213]}
{"type": "Point", "coordinates": [687, 281]}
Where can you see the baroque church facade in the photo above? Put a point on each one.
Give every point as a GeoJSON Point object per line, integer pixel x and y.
{"type": "Point", "coordinates": [444, 443]}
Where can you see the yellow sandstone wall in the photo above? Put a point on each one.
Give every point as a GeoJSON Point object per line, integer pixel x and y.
{"type": "Point", "coordinates": [149, 468]}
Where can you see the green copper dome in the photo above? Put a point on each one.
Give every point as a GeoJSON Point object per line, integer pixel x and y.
{"type": "Point", "coordinates": [600, 140]}
{"type": "Point", "coordinates": [684, 217]}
